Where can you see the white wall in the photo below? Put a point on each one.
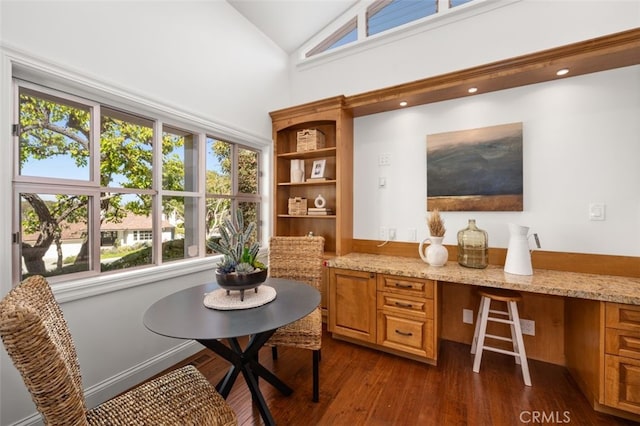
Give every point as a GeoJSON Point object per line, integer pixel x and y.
{"type": "Point", "coordinates": [581, 145]}
{"type": "Point", "coordinates": [581, 137]}
{"type": "Point", "coordinates": [487, 32]}
{"type": "Point", "coordinates": [199, 58]}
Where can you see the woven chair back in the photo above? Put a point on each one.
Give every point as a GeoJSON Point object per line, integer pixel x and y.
{"type": "Point", "coordinates": [38, 341]}
{"type": "Point", "coordinates": [297, 258]}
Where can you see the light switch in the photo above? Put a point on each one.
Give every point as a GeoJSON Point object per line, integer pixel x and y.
{"type": "Point", "coordinates": [596, 211]}
{"type": "Point", "coordinates": [382, 182]}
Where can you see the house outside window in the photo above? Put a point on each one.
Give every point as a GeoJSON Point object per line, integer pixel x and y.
{"type": "Point", "coordinates": [99, 189]}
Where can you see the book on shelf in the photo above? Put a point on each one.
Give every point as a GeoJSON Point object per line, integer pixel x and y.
{"type": "Point", "coordinates": [319, 211]}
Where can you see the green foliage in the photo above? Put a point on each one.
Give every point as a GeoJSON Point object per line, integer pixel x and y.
{"type": "Point", "coordinates": [234, 244]}
{"type": "Point", "coordinates": [50, 128]}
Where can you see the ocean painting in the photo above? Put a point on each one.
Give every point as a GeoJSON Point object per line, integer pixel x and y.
{"type": "Point", "coordinates": [476, 169]}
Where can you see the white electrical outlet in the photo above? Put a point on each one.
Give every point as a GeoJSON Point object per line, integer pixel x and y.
{"type": "Point", "coordinates": [467, 316]}
{"type": "Point", "coordinates": [528, 327]}
{"type": "Point", "coordinates": [413, 234]}
{"type": "Point", "coordinates": [392, 234]}
{"type": "Point", "coordinates": [384, 159]}
{"type": "Point", "coordinates": [383, 233]}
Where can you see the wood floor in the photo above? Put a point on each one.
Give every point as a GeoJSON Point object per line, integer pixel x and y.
{"type": "Point", "coordinates": [359, 386]}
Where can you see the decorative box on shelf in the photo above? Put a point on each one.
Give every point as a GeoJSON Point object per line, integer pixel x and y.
{"type": "Point", "coordinates": [309, 139]}
{"type": "Point", "coordinates": [297, 206]}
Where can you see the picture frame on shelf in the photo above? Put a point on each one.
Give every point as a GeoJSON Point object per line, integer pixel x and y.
{"type": "Point", "coordinates": [317, 171]}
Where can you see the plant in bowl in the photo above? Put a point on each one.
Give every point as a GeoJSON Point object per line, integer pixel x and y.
{"type": "Point", "coordinates": [239, 269]}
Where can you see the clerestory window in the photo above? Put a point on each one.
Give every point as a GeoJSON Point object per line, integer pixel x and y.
{"type": "Point", "coordinates": [383, 16]}
{"type": "Point", "coordinates": [98, 189]}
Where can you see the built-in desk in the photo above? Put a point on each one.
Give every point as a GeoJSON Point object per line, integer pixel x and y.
{"type": "Point", "coordinates": [589, 323]}
{"type": "Point", "coordinates": [606, 288]}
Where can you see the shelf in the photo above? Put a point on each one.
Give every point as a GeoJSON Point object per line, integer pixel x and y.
{"type": "Point", "coordinates": [317, 153]}
{"type": "Point", "coordinates": [307, 216]}
{"type": "Point", "coordinates": [321, 182]}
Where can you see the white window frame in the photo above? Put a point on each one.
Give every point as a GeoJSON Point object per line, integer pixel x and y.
{"type": "Point", "coordinates": [444, 16]}
{"type": "Point", "coordinates": [23, 66]}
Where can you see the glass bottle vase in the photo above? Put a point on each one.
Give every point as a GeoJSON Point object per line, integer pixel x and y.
{"type": "Point", "coordinates": [473, 248]}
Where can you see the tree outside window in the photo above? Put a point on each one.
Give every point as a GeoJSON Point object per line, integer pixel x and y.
{"type": "Point", "coordinates": [86, 172]}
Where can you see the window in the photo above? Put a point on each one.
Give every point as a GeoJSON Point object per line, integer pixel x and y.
{"type": "Point", "coordinates": [383, 16]}
{"type": "Point", "coordinates": [346, 34]}
{"type": "Point", "coordinates": [454, 3]}
{"type": "Point", "coordinates": [220, 186]}
{"type": "Point", "coordinates": [90, 197]}
{"type": "Point", "coordinates": [386, 14]}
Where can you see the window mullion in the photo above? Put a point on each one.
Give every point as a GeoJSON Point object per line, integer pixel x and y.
{"type": "Point", "coordinates": [95, 213]}
{"type": "Point", "coordinates": [157, 186]}
{"type": "Point", "coordinates": [202, 179]}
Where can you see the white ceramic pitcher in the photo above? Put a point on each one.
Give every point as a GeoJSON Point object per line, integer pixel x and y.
{"type": "Point", "coordinates": [435, 254]}
{"type": "Point", "coordinates": [518, 253]}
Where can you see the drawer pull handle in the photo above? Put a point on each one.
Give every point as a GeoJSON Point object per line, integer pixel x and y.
{"type": "Point", "coordinates": [404, 285]}
{"type": "Point", "coordinates": [404, 305]}
{"type": "Point", "coordinates": [404, 333]}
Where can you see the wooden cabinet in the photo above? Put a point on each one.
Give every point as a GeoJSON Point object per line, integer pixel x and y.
{"type": "Point", "coordinates": [622, 357]}
{"type": "Point", "coordinates": [602, 347]}
{"type": "Point", "coordinates": [352, 304]}
{"type": "Point", "coordinates": [386, 312]}
{"type": "Point", "coordinates": [336, 123]}
{"type": "Point", "coordinates": [406, 315]}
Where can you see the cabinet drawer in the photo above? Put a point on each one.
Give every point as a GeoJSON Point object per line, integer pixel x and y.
{"type": "Point", "coordinates": [623, 343]}
{"type": "Point", "coordinates": [405, 334]}
{"type": "Point", "coordinates": [622, 383]}
{"type": "Point", "coordinates": [405, 285]}
{"type": "Point", "coordinates": [623, 317]}
{"type": "Point", "coordinates": [406, 305]}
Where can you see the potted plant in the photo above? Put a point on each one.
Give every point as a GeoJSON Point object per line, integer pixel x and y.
{"type": "Point", "coordinates": [239, 269]}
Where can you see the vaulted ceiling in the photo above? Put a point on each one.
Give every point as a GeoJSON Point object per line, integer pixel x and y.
{"type": "Point", "coordinates": [291, 23]}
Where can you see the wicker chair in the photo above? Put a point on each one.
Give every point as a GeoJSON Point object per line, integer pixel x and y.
{"type": "Point", "coordinates": [300, 259]}
{"type": "Point", "coordinates": [38, 341]}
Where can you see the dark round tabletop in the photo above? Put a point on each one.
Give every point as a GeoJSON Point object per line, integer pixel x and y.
{"type": "Point", "coordinates": [184, 316]}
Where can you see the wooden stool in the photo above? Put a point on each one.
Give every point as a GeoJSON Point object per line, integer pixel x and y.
{"type": "Point", "coordinates": [510, 317]}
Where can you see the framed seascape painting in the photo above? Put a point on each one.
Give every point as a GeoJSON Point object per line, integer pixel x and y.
{"type": "Point", "coordinates": [475, 169]}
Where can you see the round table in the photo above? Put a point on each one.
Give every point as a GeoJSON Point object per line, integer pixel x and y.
{"type": "Point", "coordinates": [183, 315]}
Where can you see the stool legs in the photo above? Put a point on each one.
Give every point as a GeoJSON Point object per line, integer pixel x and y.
{"type": "Point", "coordinates": [521, 354]}
{"type": "Point", "coordinates": [480, 334]}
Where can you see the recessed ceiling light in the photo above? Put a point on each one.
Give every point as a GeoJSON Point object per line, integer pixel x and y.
{"type": "Point", "coordinates": [403, 103]}
{"type": "Point", "coordinates": [473, 89]}
{"type": "Point", "coordinates": [563, 71]}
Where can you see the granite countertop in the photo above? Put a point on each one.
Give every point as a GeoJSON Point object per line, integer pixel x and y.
{"type": "Point", "coordinates": [607, 288]}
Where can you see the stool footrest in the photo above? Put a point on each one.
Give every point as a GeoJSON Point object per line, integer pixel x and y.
{"type": "Point", "coordinates": [502, 351]}
{"type": "Point", "coordinates": [503, 321]}
{"type": "Point", "coordinates": [493, 336]}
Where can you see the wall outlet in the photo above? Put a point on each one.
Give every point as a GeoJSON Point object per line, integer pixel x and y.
{"type": "Point", "coordinates": [413, 234]}
{"type": "Point", "coordinates": [392, 234]}
{"type": "Point", "coordinates": [528, 327]}
{"type": "Point", "coordinates": [383, 233]}
{"type": "Point", "coordinates": [467, 316]}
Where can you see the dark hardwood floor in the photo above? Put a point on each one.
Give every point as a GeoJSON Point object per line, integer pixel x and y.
{"type": "Point", "coordinates": [360, 386]}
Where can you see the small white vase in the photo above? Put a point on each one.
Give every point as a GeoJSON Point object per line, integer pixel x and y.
{"type": "Point", "coordinates": [435, 254]}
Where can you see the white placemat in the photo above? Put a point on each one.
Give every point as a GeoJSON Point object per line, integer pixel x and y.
{"type": "Point", "coordinates": [218, 299]}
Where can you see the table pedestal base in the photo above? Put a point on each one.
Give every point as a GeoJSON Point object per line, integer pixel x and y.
{"type": "Point", "coordinates": [246, 362]}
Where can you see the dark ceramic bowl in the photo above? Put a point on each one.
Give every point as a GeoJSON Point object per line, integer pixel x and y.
{"type": "Point", "coordinates": [234, 281]}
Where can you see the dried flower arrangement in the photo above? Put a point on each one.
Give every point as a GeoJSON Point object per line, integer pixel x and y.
{"type": "Point", "coordinates": [436, 224]}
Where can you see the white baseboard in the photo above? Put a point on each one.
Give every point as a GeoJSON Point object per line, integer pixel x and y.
{"type": "Point", "coordinates": [107, 389]}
